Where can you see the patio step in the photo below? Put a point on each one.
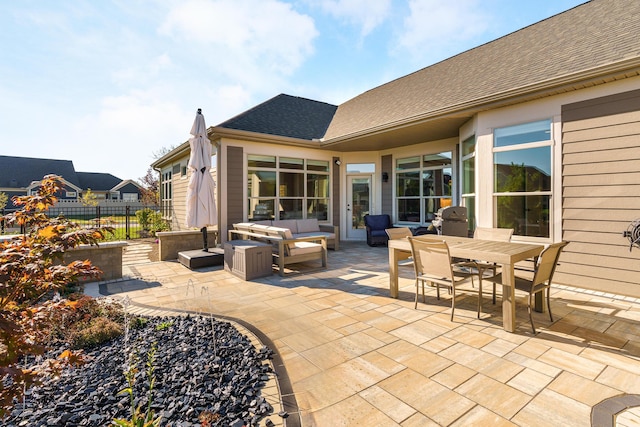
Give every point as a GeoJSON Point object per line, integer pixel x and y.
{"type": "Point", "coordinates": [137, 252]}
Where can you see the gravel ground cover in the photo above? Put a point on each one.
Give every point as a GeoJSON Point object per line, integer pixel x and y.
{"type": "Point", "coordinates": [200, 364]}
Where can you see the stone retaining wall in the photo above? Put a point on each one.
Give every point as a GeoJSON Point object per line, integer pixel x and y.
{"type": "Point", "coordinates": [107, 257]}
{"type": "Point", "coordinates": [172, 242]}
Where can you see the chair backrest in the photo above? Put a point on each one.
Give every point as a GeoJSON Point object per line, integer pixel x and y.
{"type": "Point", "coordinates": [398, 233]}
{"type": "Point", "coordinates": [377, 222]}
{"type": "Point", "coordinates": [497, 234]}
{"type": "Point", "coordinates": [547, 262]}
{"type": "Point", "coordinates": [431, 258]}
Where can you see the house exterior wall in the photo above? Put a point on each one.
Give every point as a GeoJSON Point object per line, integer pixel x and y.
{"type": "Point", "coordinates": [601, 191]}
{"type": "Point", "coordinates": [386, 163]}
{"type": "Point", "coordinates": [179, 184]}
{"type": "Point", "coordinates": [129, 189]}
{"type": "Point", "coordinates": [337, 193]}
{"type": "Point", "coordinates": [234, 196]}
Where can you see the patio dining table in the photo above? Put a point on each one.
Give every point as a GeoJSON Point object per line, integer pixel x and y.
{"type": "Point", "coordinates": [507, 254]}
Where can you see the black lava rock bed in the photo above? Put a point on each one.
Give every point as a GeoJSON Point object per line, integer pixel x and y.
{"type": "Point", "coordinates": [201, 364]}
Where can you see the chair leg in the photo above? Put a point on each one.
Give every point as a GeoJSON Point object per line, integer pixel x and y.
{"type": "Point", "coordinates": [530, 314]}
{"type": "Point", "coordinates": [438, 291]}
{"type": "Point", "coordinates": [479, 295]}
{"type": "Point", "coordinates": [415, 306]}
{"type": "Point", "coordinates": [549, 303]}
{"type": "Point", "coordinates": [453, 301]}
{"type": "Point", "coordinates": [494, 270]}
{"type": "Point", "coordinates": [424, 300]}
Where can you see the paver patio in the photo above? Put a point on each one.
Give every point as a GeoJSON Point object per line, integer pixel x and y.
{"type": "Point", "coordinates": [355, 356]}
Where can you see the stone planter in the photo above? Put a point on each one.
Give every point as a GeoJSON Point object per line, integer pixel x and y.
{"type": "Point", "coordinates": [107, 257]}
{"type": "Point", "coordinates": [172, 242]}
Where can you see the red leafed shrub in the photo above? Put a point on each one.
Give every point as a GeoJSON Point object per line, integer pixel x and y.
{"type": "Point", "coordinates": [31, 270]}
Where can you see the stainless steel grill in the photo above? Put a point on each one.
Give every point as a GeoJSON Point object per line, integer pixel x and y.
{"type": "Point", "coordinates": [452, 221]}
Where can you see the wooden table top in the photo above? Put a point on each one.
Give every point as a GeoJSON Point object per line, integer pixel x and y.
{"type": "Point", "coordinates": [485, 250]}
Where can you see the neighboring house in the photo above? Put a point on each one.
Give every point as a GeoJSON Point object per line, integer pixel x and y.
{"type": "Point", "coordinates": [21, 176]}
{"type": "Point", "coordinates": [538, 130]}
{"type": "Point", "coordinates": [107, 186]}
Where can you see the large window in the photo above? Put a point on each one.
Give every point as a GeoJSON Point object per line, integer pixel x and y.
{"type": "Point", "coordinates": [522, 177]}
{"type": "Point", "coordinates": [469, 179]}
{"type": "Point", "coordinates": [423, 185]}
{"type": "Point", "coordinates": [166, 194]}
{"type": "Point", "coordinates": [287, 188]}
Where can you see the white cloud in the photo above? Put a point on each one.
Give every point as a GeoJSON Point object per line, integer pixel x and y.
{"type": "Point", "coordinates": [434, 26]}
{"type": "Point", "coordinates": [366, 14]}
{"type": "Point", "coordinates": [121, 137]}
{"type": "Point", "coordinates": [259, 36]}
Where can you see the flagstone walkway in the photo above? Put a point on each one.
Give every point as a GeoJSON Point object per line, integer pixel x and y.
{"type": "Point", "coordinates": [355, 356]}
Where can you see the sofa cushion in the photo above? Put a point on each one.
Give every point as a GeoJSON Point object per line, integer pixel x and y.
{"type": "Point", "coordinates": [243, 226]}
{"type": "Point", "coordinates": [291, 224]}
{"type": "Point", "coordinates": [300, 248]}
{"type": "Point", "coordinates": [307, 225]}
{"type": "Point", "coordinates": [282, 233]}
{"type": "Point", "coordinates": [259, 228]}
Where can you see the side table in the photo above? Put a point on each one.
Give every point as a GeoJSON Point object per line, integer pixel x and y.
{"type": "Point", "coordinates": [248, 259]}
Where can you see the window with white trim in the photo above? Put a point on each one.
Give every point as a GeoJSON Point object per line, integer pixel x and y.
{"type": "Point", "coordinates": [423, 185]}
{"type": "Point", "coordinates": [166, 194]}
{"type": "Point", "coordinates": [468, 171]}
{"type": "Point", "coordinates": [522, 159]}
{"type": "Point", "coordinates": [299, 188]}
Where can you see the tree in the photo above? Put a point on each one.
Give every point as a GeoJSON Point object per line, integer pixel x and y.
{"type": "Point", "coordinates": [31, 269]}
{"type": "Point", "coordinates": [150, 188]}
{"type": "Point", "coordinates": [89, 198]}
{"type": "Point", "coordinates": [162, 152]}
{"type": "Point", "coordinates": [4, 199]}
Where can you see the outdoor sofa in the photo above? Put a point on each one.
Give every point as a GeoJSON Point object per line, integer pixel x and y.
{"type": "Point", "coordinates": [287, 249]}
{"type": "Point", "coordinates": [308, 228]}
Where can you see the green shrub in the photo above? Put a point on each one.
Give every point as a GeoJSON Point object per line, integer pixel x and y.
{"type": "Point", "coordinates": [138, 322]}
{"type": "Point", "coordinates": [98, 331]}
{"type": "Point", "coordinates": [150, 220]}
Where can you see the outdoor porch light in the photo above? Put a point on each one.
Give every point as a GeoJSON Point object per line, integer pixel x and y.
{"type": "Point", "coordinates": [385, 177]}
{"type": "Point", "coordinates": [338, 162]}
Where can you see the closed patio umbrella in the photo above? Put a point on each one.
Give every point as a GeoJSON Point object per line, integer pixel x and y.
{"type": "Point", "coordinates": [201, 203]}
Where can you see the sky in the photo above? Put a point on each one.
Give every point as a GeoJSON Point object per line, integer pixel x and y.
{"type": "Point", "coordinates": [109, 84]}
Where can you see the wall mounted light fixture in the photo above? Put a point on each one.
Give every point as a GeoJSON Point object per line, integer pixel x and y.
{"type": "Point", "coordinates": [385, 177]}
{"type": "Point", "coordinates": [338, 162]}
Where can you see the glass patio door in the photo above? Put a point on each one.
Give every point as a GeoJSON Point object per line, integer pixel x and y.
{"type": "Point", "coordinates": [358, 205]}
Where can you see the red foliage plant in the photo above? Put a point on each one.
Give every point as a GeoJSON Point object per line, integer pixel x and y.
{"type": "Point", "coordinates": [31, 268]}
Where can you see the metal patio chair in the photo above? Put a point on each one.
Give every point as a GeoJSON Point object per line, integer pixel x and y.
{"type": "Point", "coordinates": [544, 269]}
{"type": "Point", "coordinates": [432, 263]}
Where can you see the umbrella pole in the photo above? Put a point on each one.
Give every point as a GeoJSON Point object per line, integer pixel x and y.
{"type": "Point", "coordinates": [205, 239]}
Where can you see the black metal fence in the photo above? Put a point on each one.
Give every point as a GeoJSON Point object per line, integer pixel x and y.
{"type": "Point", "coordinates": [122, 218]}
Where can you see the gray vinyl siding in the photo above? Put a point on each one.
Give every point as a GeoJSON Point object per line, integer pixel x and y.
{"type": "Point", "coordinates": [235, 186]}
{"type": "Point", "coordinates": [335, 194]}
{"type": "Point", "coordinates": [601, 193]}
{"type": "Point", "coordinates": [387, 187]}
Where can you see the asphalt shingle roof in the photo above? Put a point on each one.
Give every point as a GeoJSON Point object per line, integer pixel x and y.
{"type": "Point", "coordinates": [20, 172]}
{"type": "Point", "coordinates": [285, 115]}
{"type": "Point", "coordinates": [97, 181]}
{"type": "Point", "coordinates": [594, 34]}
